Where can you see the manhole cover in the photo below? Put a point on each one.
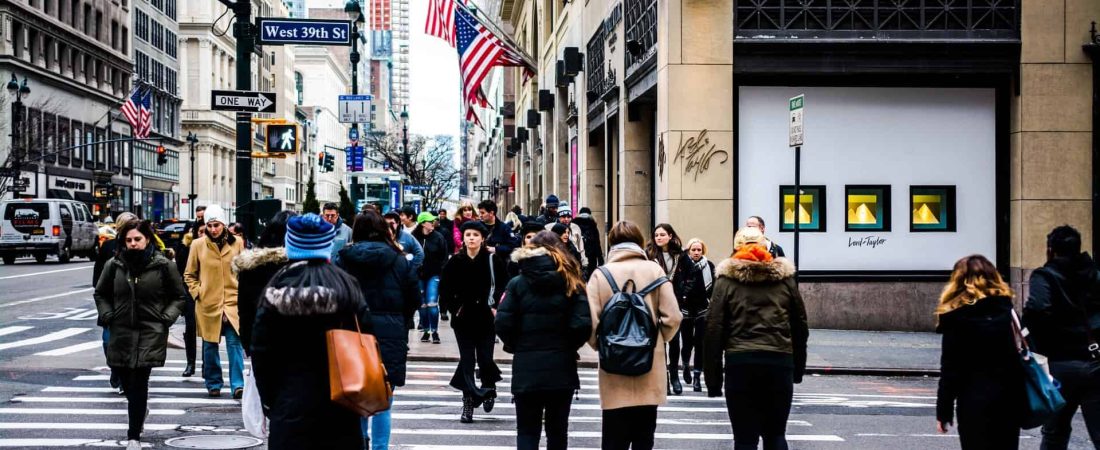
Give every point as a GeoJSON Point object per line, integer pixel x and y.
{"type": "Point", "coordinates": [213, 442]}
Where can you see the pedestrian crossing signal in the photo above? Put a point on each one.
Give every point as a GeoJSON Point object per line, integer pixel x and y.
{"type": "Point", "coordinates": [162, 155]}
{"type": "Point", "coordinates": [282, 138]}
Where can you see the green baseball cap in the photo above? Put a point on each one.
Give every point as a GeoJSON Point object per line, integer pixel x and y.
{"type": "Point", "coordinates": [425, 217]}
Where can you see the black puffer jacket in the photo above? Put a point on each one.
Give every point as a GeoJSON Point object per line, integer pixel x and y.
{"type": "Point", "coordinates": [541, 326]}
{"type": "Point", "coordinates": [290, 357]}
{"type": "Point", "coordinates": [465, 285]}
{"type": "Point", "coordinates": [392, 293]}
{"type": "Point", "coordinates": [435, 253]}
{"type": "Point", "coordinates": [1062, 294]}
{"type": "Point", "coordinates": [254, 268]}
{"type": "Point", "coordinates": [592, 247]}
{"type": "Point", "coordinates": [979, 367]}
{"type": "Point", "coordinates": [138, 306]}
{"type": "Point", "coordinates": [692, 291]}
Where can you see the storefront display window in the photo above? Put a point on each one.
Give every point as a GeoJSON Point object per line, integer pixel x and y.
{"type": "Point", "coordinates": [810, 211]}
{"type": "Point", "coordinates": [868, 207]}
{"type": "Point", "coordinates": [932, 208]}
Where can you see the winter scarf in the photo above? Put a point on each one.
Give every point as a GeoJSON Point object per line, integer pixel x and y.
{"type": "Point", "coordinates": [703, 266]}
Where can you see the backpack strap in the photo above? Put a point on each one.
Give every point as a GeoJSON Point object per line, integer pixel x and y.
{"type": "Point", "coordinates": [653, 286]}
{"type": "Point", "coordinates": [610, 280]}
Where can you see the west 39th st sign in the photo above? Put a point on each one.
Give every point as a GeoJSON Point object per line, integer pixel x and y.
{"type": "Point", "coordinates": [284, 31]}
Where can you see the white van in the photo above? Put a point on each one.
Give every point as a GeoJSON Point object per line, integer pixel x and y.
{"type": "Point", "coordinates": [42, 227]}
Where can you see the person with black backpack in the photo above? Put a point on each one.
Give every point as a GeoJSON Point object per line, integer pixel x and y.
{"type": "Point", "coordinates": [631, 297]}
{"type": "Point", "coordinates": [1062, 313]}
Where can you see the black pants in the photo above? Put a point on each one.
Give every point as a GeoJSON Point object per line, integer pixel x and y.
{"type": "Point", "coordinates": [690, 337]}
{"type": "Point", "coordinates": [674, 352]}
{"type": "Point", "coordinates": [189, 334]}
{"type": "Point", "coordinates": [531, 408]}
{"type": "Point", "coordinates": [629, 428]}
{"type": "Point", "coordinates": [477, 349]}
{"type": "Point", "coordinates": [136, 384]}
{"type": "Point", "coordinates": [758, 398]}
{"type": "Point", "coordinates": [988, 410]}
{"type": "Point", "coordinates": [1081, 388]}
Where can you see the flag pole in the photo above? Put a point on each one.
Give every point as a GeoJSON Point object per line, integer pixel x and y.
{"type": "Point", "coordinates": [505, 38]}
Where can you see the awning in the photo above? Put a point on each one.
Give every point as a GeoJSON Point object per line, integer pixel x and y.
{"type": "Point", "coordinates": [85, 197]}
{"type": "Point", "coordinates": [59, 193]}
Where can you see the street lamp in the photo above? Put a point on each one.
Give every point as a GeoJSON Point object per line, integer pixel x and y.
{"type": "Point", "coordinates": [405, 146]}
{"type": "Point", "coordinates": [355, 13]}
{"type": "Point", "coordinates": [192, 140]}
{"type": "Point", "coordinates": [18, 93]}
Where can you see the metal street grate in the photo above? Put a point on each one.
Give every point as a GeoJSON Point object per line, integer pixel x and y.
{"type": "Point", "coordinates": [214, 442]}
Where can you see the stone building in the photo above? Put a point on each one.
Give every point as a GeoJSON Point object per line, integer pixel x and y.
{"type": "Point", "coordinates": [931, 132]}
{"type": "Point", "coordinates": [156, 67]}
{"type": "Point", "coordinates": [75, 58]}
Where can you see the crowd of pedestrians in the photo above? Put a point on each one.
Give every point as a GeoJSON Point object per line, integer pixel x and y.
{"type": "Point", "coordinates": [543, 287]}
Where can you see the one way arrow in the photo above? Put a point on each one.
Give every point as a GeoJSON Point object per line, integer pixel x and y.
{"type": "Point", "coordinates": [243, 101]}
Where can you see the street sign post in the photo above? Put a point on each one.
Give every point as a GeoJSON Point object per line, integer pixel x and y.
{"type": "Point", "coordinates": [797, 105]}
{"type": "Point", "coordinates": [482, 188]}
{"type": "Point", "coordinates": [242, 101]}
{"type": "Point", "coordinates": [354, 108]}
{"type": "Point", "coordinates": [17, 189]}
{"type": "Point", "coordinates": [354, 158]}
{"type": "Point", "coordinates": [287, 31]}
{"type": "Point", "coordinates": [353, 135]}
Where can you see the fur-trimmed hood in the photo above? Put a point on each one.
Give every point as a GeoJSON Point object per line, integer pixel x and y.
{"type": "Point", "coordinates": [523, 253]}
{"type": "Point", "coordinates": [308, 288]}
{"type": "Point", "coordinates": [256, 257]}
{"type": "Point", "coordinates": [743, 271]}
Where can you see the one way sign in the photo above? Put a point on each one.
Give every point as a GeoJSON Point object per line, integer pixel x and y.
{"type": "Point", "coordinates": [243, 101]}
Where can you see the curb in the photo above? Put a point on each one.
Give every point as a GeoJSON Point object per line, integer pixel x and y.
{"type": "Point", "coordinates": [812, 370]}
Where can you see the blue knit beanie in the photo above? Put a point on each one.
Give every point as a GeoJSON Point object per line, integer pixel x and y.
{"type": "Point", "coordinates": [309, 237]}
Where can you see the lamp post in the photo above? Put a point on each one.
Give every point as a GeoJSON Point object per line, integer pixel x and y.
{"type": "Point", "coordinates": [405, 149]}
{"type": "Point", "coordinates": [192, 140]}
{"type": "Point", "coordinates": [355, 13]}
{"type": "Point", "coordinates": [18, 93]}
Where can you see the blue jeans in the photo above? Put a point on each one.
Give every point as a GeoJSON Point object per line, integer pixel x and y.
{"type": "Point", "coordinates": [429, 304]}
{"type": "Point", "coordinates": [380, 435]}
{"type": "Point", "coordinates": [212, 361]}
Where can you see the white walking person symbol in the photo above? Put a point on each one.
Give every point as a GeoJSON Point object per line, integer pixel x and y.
{"type": "Point", "coordinates": [287, 140]}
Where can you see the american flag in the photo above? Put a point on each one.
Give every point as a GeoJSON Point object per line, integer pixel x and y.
{"type": "Point", "coordinates": [441, 18]}
{"type": "Point", "coordinates": [138, 111]}
{"type": "Point", "coordinates": [479, 51]}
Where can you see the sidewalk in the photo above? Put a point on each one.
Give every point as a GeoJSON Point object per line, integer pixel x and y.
{"type": "Point", "coordinates": [831, 352]}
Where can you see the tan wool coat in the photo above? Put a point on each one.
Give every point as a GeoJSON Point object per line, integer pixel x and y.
{"type": "Point", "coordinates": [213, 284]}
{"type": "Point", "coordinates": [620, 391]}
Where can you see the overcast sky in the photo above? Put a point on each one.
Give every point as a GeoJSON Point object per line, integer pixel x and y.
{"type": "Point", "coordinates": [434, 104]}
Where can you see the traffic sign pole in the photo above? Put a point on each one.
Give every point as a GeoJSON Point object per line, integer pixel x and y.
{"type": "Point", "coordinates": [243, 32]}
{"type": "Point", "coordinates": [797, 137]}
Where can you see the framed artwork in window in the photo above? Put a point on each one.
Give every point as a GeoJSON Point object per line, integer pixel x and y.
{"type": "Point", "coordinates": [810, 211]}
{"type": "Point", "coordinates": [867, 207]}
{"type": "Point", "coordinates": [932, 209]}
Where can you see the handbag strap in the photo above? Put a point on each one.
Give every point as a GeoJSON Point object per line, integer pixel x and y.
{"type": "Point", "coordinates": [1018, 334]}
{"type": "Point", "coordinates": [492, 281]}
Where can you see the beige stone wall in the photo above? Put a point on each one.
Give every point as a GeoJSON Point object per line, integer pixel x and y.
{"type": "Point", "coordinates": [695, 93]}
{"type": "Point", "coordinates": [1051, 129]}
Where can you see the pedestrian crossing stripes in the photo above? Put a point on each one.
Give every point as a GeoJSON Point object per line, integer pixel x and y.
{"type": "Point", "coordinates": [49, 337]}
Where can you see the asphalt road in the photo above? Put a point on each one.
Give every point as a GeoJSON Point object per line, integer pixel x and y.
{"type": "Point", "coordinates": [54, 393]}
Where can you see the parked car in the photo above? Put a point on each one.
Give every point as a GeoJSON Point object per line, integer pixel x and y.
{"type": "Point", "coordinates": [171, 231]}
{"type": "Point", "coordinates": [43, 227]}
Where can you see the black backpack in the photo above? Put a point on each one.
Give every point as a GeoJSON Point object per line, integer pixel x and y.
{"type": "Point", "coordinates": [627, 333]}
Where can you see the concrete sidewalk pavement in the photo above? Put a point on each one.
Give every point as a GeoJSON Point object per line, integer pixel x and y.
{"type": "Point", "coordinates": [837, 352]}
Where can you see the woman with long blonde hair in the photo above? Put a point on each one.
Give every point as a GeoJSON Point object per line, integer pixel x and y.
{"type": "Point", "coordinates": [463, 214]}
{"type": "Point", "coordinates": [543, 320]}
{"type": "Point", "coordinates": [980, 369]}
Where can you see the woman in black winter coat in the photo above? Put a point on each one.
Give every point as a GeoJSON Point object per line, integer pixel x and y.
{"type": "Point", "coordinates": [470, 287]}
{"type": "Point", "coordinates": [980, 368]}
{"type": "Point", "coordinates": [190, 333]}
{"type": "Point", "coordinates": [139, 295]}
{"type": "Point", "coordinates": [694, 284]}
{"type": "Point", "coordinates": [543, 320]}
{"type": "Point", "coordinates": [435, 256]}
{"type": "Point", "coordinates": [254, 268]}
{"type": "Point", "coordinates": [390, 289]}
{"type": "Point", "coordinates": [302, 302]}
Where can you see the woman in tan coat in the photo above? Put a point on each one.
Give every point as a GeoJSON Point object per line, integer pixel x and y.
{"type": "Point", "coordinates": [213, 285]}
{"type": "Point", "coordinates": [630, 403]}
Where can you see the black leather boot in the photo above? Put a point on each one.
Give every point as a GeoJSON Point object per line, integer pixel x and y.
{"type": "Point", "coordinates": [697, 384]}
{"type": "Point", "coordinates": [467, 410]}
{"type": "Point", "coordinates": [677, 388]}
{"type": "Point", "coordinates": [188, 370]}
{"type": "Point", "coordinates": [687, 374]}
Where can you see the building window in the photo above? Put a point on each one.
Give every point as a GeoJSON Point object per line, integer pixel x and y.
{"type": "Point", "coordinates": [867, 208]}
{"type": "Point", "coordinates": [99, 25]}
{"type": "Point", "coordinates": [810, 210]}
{"type": "Point", "coordinates": [170, 43]}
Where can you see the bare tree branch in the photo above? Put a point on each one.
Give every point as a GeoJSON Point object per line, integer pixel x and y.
{"type": "Point", "coordinates": [430, 162]}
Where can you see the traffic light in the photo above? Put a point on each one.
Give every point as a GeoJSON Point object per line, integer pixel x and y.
{"type": "Point", "coordinates": [330, 162]}
{"type": "Point", "coordinates": [162, 155]}
{"type": "Point", "coordinates": [282, 138]}
{"type": "Point", "coordinates": [321, 161]}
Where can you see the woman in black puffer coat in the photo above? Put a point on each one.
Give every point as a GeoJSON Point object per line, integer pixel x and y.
{"type": "Point", "coordinates": [544, 319]}
{"type": "Point", "coordinates": [139, 295]}
{"type": "Point", "coordinates": [390, 289]}
{"type": "Point", "coordinates": [694, 284]}
{"type": "Point", "coordinates": [299, 306]}
{"type": "Point", "coordinates": [254, 268]}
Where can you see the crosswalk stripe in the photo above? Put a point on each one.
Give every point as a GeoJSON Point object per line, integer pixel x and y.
{"type": "Point", "coordinates": [574, 419]}
{"type": "Point", "coordinates": [110, 390]}
{"type": "Point", "coordinates": [172, 400]}
{"type": "Point", "coordinates": [81, 426]}
{"type": "Point", "coordinates": [57, 335]}
{"type": "Point", "coordinates": [154, 378]}
{"type": "Point", "coordinates": [13, 329]}
{"type": "Point", "coordinates": [98, 343]}
{"type": "Point", "coordinates": [598, 434]}
{"type": "Point", "coordinates": [590, 407]}
{"type": "Point", "coordinates": [88, 412]}
{"type": "Point", "coordinates": [505, 394]}
{"type": "Point", "coordinates": [38, 299]}
{"type": "Point", "coordinates": [48, 442]}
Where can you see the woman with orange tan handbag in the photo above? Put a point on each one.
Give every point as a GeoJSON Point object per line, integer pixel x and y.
{"type": "Point", "coordinates": [302, 302]}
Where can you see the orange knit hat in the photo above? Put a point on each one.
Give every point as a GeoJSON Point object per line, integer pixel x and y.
{"type": "Point", "coordinates": [753, 252]}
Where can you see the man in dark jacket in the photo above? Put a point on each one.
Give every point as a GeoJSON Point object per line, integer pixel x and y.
{"type": "Point", "coordinates": [446, 229]}
{"type": "Point", "coordinates": [1062, 313]}
{"type": "Point", "coordinates": [501, 239]}
{"type": "Point", "coordinates": [593, 250]}
{"type": "Point", "coordinates": [550, 210]}
{"type": "Point", "coordinates": [758, 223]}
